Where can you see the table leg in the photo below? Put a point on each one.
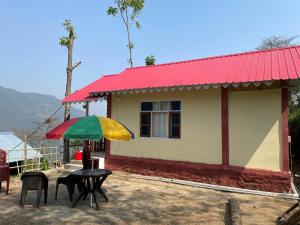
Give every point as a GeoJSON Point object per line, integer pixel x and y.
{"type": "Point", "coordinates": [95, 199]}
{"type": "Point", "coordinates": [88, 188]}
{"type": "Point", "coordinates": [98, 185]}
{"type": "Point", "coordinates": [91, 185]}
{"type": "Point", "coordinates": [101, 192]}
{"type": "Point", "coordinates": [94, 189]}
{"type": "Point", "coordinates": [82, 193]}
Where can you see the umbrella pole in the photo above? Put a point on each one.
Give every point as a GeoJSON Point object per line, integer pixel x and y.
{"type": "Point", "coordinates": [92, 157]}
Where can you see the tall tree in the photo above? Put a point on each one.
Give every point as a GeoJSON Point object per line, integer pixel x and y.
{"type": "Point", "coordinates": [68, 42]}
{"type": "Point", "coordinates": [129, 11]}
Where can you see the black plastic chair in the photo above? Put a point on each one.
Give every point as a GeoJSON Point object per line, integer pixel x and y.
{"type": "Point", "coordinates": [70, 182]}
{"type": "Point", "coordinates": [34, 181]}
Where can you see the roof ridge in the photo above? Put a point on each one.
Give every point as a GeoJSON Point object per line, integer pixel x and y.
{"type": "Point", "coordinates": [110, 75]}
{"type": "Point", "coordinates": [213, 57]}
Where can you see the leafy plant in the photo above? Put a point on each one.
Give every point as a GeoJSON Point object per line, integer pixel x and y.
{"type": "Point", "coordinates": [150, 60]}
{"type": "Point", "coordinates": [45, 164]}
{"type": "Point", "coordinates": [67, 41]}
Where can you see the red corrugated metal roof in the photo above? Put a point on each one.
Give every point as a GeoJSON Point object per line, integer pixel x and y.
{"type": "Point", "coordinates": [84, 93]}
{"type": "Point", "coordinates": [256, 66]}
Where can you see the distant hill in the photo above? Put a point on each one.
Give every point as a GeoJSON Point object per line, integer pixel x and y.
{"type": "Point", "coordinates": [24, 111]}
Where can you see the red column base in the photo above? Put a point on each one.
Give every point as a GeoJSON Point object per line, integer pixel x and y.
{"type": "Point", "coordinates": [232, 176]}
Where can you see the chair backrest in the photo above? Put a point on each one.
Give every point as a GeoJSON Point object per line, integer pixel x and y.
{"type": "Point", "coordinates": [2, 157]}
{"type": "Point", "coordinates": [86, 157]}
{"type": "Point", "coordinates": [34, 174]}
{"type": "Point", "coordinates": [34, 180]}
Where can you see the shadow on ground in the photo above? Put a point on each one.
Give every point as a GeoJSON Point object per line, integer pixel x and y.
{"type": "Point", "coordinates": [137, 201]}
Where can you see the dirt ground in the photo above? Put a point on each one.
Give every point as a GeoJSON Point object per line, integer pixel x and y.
{"type": "Point", "coordinates": [138, 201]}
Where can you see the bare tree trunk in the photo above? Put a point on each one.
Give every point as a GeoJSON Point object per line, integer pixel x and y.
{"type": "Point", "coordinates": [67, 113]}
{"type": "Point", "coordinates": [130, 48]}
{"type": "Point", "coordinates": [69, 79]}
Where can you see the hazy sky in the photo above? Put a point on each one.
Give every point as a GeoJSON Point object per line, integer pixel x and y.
{"type": "Point", "coordinates": [32, 61]}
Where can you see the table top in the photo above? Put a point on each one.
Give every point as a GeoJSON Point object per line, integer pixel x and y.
{"type": "Point", "coordinates": [91, 173]}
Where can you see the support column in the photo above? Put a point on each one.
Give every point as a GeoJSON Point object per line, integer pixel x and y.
{"type": "Point", "coordinates": [108, 114]}
{"type": "Point", "coordinates": [87, 108]}
{"type": "Point", "coordinates": [285, 129]}
{"type": "Point", "coordinates": [224, 119]}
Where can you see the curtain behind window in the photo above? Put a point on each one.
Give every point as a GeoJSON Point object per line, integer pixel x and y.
{"type": "Point", "coordinates": [160, 124]}
{"type": "Point", "coordinates": [161, 106]}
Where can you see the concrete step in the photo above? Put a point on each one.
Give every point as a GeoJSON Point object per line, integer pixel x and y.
{"type": "Point", "coordinates": [71, 166]}
{"type": "Point", "coordinates": [77, 162]}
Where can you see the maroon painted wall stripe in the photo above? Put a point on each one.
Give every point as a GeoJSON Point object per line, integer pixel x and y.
{"type": "Point", "coordinates": [233, 176]}
{"type": "Point", "coordinates": [224, 118]}
{"type": "Point", "coordinates": [285, 129]}
{"type": "Point", "coordinates": [107, 142]}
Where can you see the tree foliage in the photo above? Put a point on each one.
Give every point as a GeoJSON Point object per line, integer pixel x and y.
{"type": "Point", "coordinates": [129, 10]}
{"type": "Point", "coordinates": [66, 40]}
{"type": "Point", "coordinates": [294, 132]}
{"type": "Point", "coordinates": [276, 41]}
{"type": "Point", "coordinates": [294, 96]}
{"type": "Point", "coordinates": [150, 60]}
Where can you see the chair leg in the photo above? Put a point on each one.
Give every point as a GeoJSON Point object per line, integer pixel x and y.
{"type": "Point", "coordinates": [7, 186]}
{"type": "Point", "coordinates": [39, 196]}
{"type": "Point", "coordinates": [23, 197]}
{"type": "Point", "coordinates": [45, 194]}
{"type": "Point", "coordinates": [70, 194]}
{"type": "Point", "coordinates": [71, 187]}
{"type": "Point", "coordinates": [56, 190]}
{"type": "Point", "coordinates": [80, 184]}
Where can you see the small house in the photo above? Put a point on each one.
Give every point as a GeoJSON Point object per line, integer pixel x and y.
{"type": "Point", "coordinates": [14, 148]}
{"type": "Point", "coordinates": [219, 120]}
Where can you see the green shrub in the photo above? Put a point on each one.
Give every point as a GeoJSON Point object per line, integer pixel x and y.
{"type": "Point", "coordinates": [45, 164]}
{"type": "Point", "coordinates": [294, 132]}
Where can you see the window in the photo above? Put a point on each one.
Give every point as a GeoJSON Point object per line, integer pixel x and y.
{"type": "Point", "coordinates": [145, 124]}
{"type": "Point", "coordinates": [160, 119]}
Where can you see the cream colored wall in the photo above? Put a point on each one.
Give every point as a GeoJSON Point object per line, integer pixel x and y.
{"type": "Point", "coordinates": [200, 127]}
{"type": "Point", "coordinates": [255, 129]}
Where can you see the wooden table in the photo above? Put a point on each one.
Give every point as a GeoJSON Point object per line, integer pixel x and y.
{"type": "Point", "coordinates": [88, 176]}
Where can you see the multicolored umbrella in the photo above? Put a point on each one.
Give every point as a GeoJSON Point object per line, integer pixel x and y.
{"type": "Point", "coordinates": [91, 128]}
